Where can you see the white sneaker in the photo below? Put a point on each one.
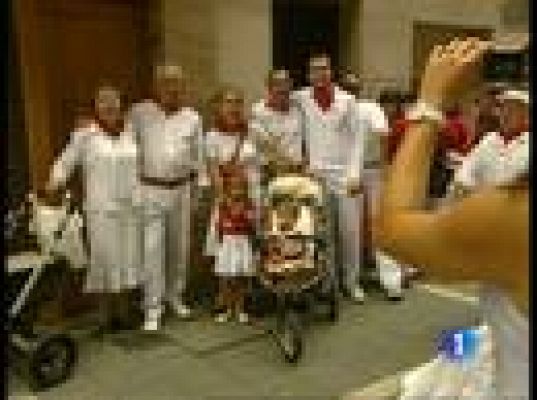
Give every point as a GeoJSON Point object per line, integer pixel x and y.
{"type": "Point", "coordinates": [181, 310]}
{"type": "Point", "coordinates": [152, 320]}
{"type": "Point", "coordinates": [358, 295]}
{"type": "Point", "coordinates": [394, 294]}
{"type": "Point", "coordinates": [244, 318]}
{"type": "Point", "coordinates": [223, 317]}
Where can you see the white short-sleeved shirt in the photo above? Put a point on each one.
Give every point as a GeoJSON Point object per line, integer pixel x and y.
{"type": "Point", "coordinates": [169, 145]}
{"type": "Point", "coordinates": [493, 161]}
{"type": "Point", "coordinates": [334, 139]}
{"type": "Point", "coordinates": [285, 127]}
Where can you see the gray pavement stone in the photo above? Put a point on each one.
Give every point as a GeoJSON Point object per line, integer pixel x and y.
{"type": "Point", "coordinates": [204, 360]}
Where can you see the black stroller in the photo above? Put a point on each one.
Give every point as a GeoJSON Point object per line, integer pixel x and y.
{"type": "Point", "coordinates": [297, 259]}
{"type": "Point", "coordinates": [46, 357]}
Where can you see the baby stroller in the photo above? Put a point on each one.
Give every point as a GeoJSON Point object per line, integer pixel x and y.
{"type": "Point", "coordinates": [46, 357]}
{"type": "Point", "coordinates": [297, 255]}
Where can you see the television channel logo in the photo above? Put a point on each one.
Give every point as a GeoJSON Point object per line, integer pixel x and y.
{"type": "Point", "coordinates": [459, 345]}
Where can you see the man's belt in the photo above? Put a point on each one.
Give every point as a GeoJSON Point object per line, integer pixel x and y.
{"type": "Point", "coordinates": [168, 183]}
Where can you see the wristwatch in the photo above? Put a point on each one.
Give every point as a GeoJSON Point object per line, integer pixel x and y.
{"type": "Point", "coordinates": [422, 111]}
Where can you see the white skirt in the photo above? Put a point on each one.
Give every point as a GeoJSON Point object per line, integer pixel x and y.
{"type": "Point", "coordinates": [115, 252]}
{"type": "Point", "coordinates": [234, 257]}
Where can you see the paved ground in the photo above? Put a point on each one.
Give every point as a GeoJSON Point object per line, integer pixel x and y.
{"type": "Point", "coordinates": [202, 360]}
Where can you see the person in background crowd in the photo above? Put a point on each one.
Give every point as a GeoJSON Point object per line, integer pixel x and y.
{"type": "Point", "coordinates": [459, 242]}
{"type": "Point", "coordinates": [501, 154]}
{"type": "Point", "coordinates": [486, 115]}
{"type": "Point", "coordinates": [335, 146]}
{"type": "Point", "coordinates": [394, 104]}
{"type": "Point", "coordinates": [455, 138]}
{"type": "Point", "coordinates": [455, 142]}
{"type": "Point", "coordinates": [374, 123]}
{"type": "Point", "coordinates": [106, 150]}
{"type": "Point", "coordinates": [230, 154]}
{"type": "Point", "coordinates": [168, 132]}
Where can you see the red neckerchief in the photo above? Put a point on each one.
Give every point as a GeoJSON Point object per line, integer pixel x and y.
{"type": "Point", "coordinates": [399, 127]}
{"type": "Point", "coordinates": [324, 96]}
{"type": "Point", "coordinates": [166, 109]}
{"type": "Point", "coordinates": [222, 126]}
{"type": "Point", "coordinates": [455, 135]}
{"type": "Point", "coordinates": [113, 131]}
{"type": "Point", "coordinates": [509, 137]}
{"type": "Point", "coordinates": [276, 106]}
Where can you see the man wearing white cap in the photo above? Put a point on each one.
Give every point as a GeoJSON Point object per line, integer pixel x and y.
{"type": "Point", "coordinates": [168, 133]}
{"type": "Point", "coordinates": [335, 145]}
{"type": "Point", "coordinates": [276, 120]}
{"type": "Point", "coordinates": [500, 156]}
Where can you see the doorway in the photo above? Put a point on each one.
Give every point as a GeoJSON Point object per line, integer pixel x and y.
{"type": "Point", "coordinates": [301, 27]}
{"type": "Point", "coordinates": [67, 48]}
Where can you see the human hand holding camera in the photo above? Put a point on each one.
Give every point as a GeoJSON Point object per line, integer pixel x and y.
{"type": "Point", "coordinates": [452, 71]}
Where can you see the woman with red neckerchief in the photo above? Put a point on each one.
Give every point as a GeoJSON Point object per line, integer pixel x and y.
{"type": "Point", "coordinates": [106, 151]}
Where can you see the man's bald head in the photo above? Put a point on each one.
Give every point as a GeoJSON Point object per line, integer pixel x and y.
{"type": "Point", "coordinates": [169, 85]}
{"type": "Point", "coordinates": [168, 72]}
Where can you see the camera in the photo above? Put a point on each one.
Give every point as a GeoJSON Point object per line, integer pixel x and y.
{"type": "Point", "coordinates": [507, 62]}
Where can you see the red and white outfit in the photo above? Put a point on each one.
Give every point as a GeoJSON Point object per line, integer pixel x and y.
{"type": "Point", "coordinates": [494, 160]}
{"type": "Point", "coordinates": [169, 152]}
{"type": "Point", "coordinates": [219, 148]}
{"type": "Point", "coordinates": [235, 224]}
{"type": "Point", "coordinates": [109, 167]}
{"type": "Point", "coordinates": [335, 145]}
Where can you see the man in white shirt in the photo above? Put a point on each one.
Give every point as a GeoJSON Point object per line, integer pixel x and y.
{"type": "Point", "coordinates": [499, 156]}
{"type": "Point", "coordinates": [374, 123]}
{"type": "Point", "coordinates": [168, 134]}
{"type": "Point", "coordinates": [335, 145]}
{"type": "Point", "coordinates": [276, 120]}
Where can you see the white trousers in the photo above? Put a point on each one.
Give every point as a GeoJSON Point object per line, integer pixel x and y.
{"type": "Point", "coordinates": [347, 237]}
{"type": "Point", "coordinates": [166, 244]}
{"type": "Point", "coordinates": [388, 269]}
{"type": "Point", "coordinates": [349, 219]}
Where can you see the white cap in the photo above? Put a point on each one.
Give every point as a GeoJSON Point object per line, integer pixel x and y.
{"type": "Point", "coordinates": [517, 95]}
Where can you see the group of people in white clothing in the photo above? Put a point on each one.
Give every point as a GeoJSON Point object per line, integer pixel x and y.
{"type": "Point", "coordinates": [143, 169]}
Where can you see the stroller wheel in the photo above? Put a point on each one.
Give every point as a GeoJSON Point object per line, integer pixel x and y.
{"type": "Point", "coordinates": [291, 340]}
{"type": "Point", "coordinates": [331, 299]}
{"type": "Point", "coordinates": [52, 361]}
{"type": "Point", "coordinates": [333, 312]}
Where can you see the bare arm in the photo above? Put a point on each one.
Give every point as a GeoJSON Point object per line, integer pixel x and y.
{"type": "Point", "coordinates": [70, 157]}
{"type": "Point", "coordinates": [483, 237]}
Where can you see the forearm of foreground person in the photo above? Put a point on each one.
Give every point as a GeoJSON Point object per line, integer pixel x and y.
{"type": "Point", "coordinates": [483, 237]}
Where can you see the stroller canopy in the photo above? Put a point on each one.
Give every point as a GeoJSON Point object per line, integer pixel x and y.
{"type": "Point", "coordinates": [296, 186]}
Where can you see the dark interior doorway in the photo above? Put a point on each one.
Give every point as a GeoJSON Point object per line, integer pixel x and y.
{"type": "Point", "coordinates": [301, 27]}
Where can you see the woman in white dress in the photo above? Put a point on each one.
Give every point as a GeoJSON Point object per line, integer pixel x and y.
{"type": "Point", "coordinates": [482, 237]}
{"type": "Point", "coordinates": [228, 150]}
{"type": "Point", "coordinates": [107, 153]}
